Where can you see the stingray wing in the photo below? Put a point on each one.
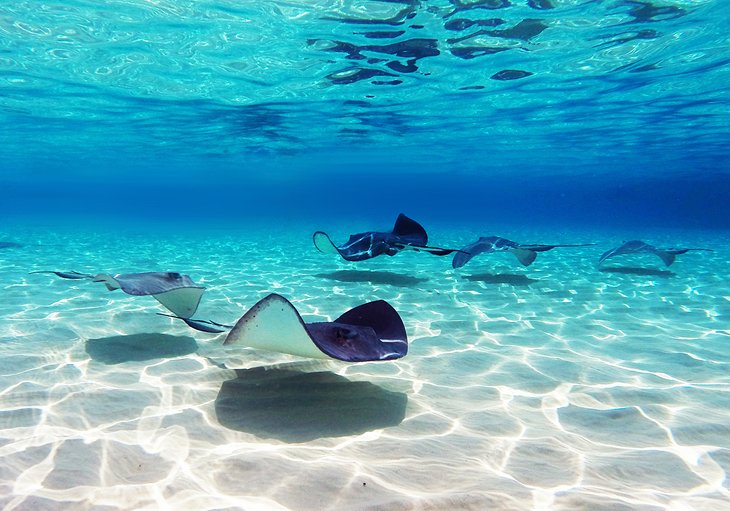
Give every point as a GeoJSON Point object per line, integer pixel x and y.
{"type": "Point", "coordinates": [608, 254]}
{"type": "Point", "coordinates": [669, 254]}
{"type": "Point", "coordinates": [371, 331]}
{"type": "Point", "coordinates": [480, 246]}
{"type": "Point", "coordinates": [274, 324]}
{"type": "Point", "coordinates": [323, 243]}
{"type": "Point", "coordinates": [525, 256]}
{"type": "Point", "coordinates": [410, 231]}
{"type": "Point", "coordinates": [666, 257]}
{"type": "Point", "coordinates": [639, 247]}
{"type": "Point", "coordinates": [183, 302]}
{"type": "Point", "coordinates": [616, 251]}
{"type": "Point", "coordinates": [461, 258]}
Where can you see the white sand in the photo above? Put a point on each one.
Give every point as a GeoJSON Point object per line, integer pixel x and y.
{"type": "Point", "coordinates": [553, 387]}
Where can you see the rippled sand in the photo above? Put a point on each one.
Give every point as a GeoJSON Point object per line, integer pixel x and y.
{"type": "Point", "coordinates": [553, 387]}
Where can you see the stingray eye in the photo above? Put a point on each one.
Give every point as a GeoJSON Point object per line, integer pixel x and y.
{"type": "Point", "coordinates": [343, 334]}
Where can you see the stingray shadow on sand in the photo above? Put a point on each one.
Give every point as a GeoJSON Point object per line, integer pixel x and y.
{"type": "Point", "coordinates": [501, 278]}
{"type": "Point", "coordinates": [373, 277]}
{"type": "Point", "coordinates": [118, 349]}
{"type": "Point", "coordinates": [295, 406]}
{"type": "Point", "coordinates": [644, 272]}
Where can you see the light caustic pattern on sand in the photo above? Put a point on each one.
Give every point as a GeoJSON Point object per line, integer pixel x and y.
{"type": "Point", "coordinates": [554, 387]}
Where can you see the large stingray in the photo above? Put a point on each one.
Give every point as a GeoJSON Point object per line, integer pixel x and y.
{"type": "Point", "coordinates": [667, 255]}
{"type": "Point", "coordinates": [178, 293]}
{"type": "Point", "coordinates": [406, 234]}
{"type": "Point", "coordinates": [525, 254]}
{"type": "Point", "coordinates": [371, 331]}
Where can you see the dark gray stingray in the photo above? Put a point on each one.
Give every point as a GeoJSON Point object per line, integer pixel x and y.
{"type": "Point", "coordinates": [372, 331]}
{"type": "Point", "coordinates": [667, 255]}
{"type": "Point", "coordinates": [406, 234]}
{"type": "Point", "coordinates": [9, 244]}
{"type": "Point", "coordinates": [178, 293]}
{"type": "Point", "coordinates": [525, 254]}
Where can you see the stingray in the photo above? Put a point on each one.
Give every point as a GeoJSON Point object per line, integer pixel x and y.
{"type": "Point", "coordinates": [371, 331]}
{"type": "Point", "coordinates": [9, 244]}
{"type": "Point", "coordinates": [406, 234]}
{"type": "Point", "coordinates": [525, 254]}
{"type": "Point", "coordinates": [667, 255]}
{"type": "Point", "coordinates": [176, 292]}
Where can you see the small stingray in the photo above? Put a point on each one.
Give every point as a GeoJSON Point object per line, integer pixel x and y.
{"type": "Point", "coordinates": [525, 254]}
{"type": "Point", "coordinates": [372, 331]}
{"type": "Point", "coordinates": [406, 234]}
{"type": "Point", "coordinates": [178, 293]}
{"type": "Point", "coordinates": [667, 255]}
{"type": "Point", "coordinates": [9, 244]}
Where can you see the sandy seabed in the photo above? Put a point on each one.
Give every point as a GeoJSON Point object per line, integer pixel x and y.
{"type": "Point", "coordinates": [558, 386]}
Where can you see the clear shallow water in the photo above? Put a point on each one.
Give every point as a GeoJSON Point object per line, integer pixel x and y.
{"type": "Point", "coordinates": [553, 387]}
{"type": "Point", "coordinates": [212, 138]}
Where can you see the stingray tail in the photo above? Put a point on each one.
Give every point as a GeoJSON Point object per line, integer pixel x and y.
{"type": "Point", "coordinates": [545, 248]}
{"type": "Point", "coordinates": [72, 275]}
{"type": "Point", "coordinates": [202, 325]}
{"type": "Point", "coordinates": [437, 251]}
{"type": "Point", "coordinates": [461, 258]}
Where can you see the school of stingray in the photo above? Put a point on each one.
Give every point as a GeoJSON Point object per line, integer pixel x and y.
{"type": "Point", "coordinates": [373, 331]}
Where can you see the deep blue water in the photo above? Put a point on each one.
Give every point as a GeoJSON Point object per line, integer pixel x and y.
{"type": "Point", "coordinates": [539, 112]}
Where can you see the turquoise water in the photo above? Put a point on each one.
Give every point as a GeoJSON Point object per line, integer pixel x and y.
{"type": "Point", "coordinates": [554, 387]}
{"type": "Point", "coordinates": [213, 138]}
